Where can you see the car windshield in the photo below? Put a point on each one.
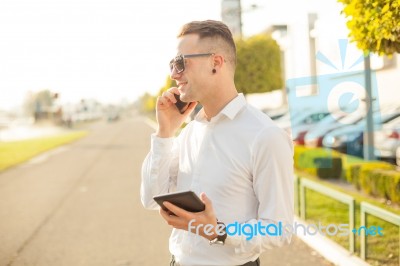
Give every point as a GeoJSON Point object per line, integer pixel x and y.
{"type": "Point", "coordinates": [309, 117]}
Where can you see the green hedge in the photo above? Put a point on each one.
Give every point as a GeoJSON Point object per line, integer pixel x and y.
{"type": "Point", "coordinates": [323, 163]}
{"type": "Point", "coordinates": [382, 183]}
{"type": "Point", "coordinates": [360, 174]}
{"type": "Point", "coordinates": [375, 178]}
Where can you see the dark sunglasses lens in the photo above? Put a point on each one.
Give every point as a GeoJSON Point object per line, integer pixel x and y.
{"type": "Point", "coordinates": [179, 64]}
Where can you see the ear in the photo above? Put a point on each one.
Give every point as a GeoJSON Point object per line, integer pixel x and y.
{"type": "Point", "coordinates": [218, 61]}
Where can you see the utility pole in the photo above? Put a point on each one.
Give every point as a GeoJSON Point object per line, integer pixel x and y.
{"type": "Point", "coordinates": [240, 19]}
{"type": "Point", "coordinates": [231, 14]}
{"type": "Point", "coordinates": [369, 131]}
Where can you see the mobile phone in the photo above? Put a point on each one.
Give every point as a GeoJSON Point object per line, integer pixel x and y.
{"type": "Point", "coordinates": [182, 106]}
{"type": "Point", "coordinates": [186, 200]}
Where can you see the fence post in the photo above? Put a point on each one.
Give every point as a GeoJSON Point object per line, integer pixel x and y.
{"type": "Point", "coordinates": [385, 215]}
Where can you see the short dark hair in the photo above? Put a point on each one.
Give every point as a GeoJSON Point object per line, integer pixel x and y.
{"type": "Point", "coordinates": [214, 30]}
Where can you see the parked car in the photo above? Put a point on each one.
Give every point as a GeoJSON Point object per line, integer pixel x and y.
{"type": "Point", "coordinates": [300, 122]}
{"type": "Point", "coordinates": [313, 138]}
{"type": "Point", "coordinates": [350, 139]}
{"type": "Point", "coordinates": [327, 123]}
{"type": "Point", "coordinates": [387, 140]}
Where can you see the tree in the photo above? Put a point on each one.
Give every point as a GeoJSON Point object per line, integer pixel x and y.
{"type": "Point", "coordinates": [39, 104]}
{"type": "Point", "coordinates": [258, 65]}
{"type": "Point", "coordinates": [374, 24]}
{"type": "Point", "coordinates": [147, 103]}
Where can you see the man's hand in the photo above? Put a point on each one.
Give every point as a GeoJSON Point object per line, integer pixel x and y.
{"type": "Point", "coordinates": [200, 220]}
{"type": "Point", "coordinates": [168, 117]}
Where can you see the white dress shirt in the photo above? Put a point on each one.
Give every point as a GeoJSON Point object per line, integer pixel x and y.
{"type": "Point", "coordinates": [244, 164]}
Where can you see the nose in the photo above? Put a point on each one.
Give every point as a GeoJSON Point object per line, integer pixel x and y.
{"type": "Point", "coordinates": [174, 74]}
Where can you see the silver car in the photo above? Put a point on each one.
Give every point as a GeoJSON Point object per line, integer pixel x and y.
{"type": "Point", "coordinates": [387, 140]}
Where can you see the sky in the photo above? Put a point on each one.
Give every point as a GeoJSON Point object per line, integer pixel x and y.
{"type": "Point", "coordinates": [103, 49]}
{"type": "Point", "coordinates": [107, 50]}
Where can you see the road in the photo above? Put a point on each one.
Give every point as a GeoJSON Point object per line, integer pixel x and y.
{"type": "Point", "coordinates": [80, 206]}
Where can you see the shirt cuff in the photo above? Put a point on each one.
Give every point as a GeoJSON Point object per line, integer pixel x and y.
{"type": "Point", "coordinates": [233, 241]}
{"type": "Point", "coordinates": [161, 145]}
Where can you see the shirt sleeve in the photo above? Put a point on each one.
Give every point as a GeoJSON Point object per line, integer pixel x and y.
{"type": "Point", "coordinates": [273, 186]}
{"type": "Point", "coordinates": [159, 170]}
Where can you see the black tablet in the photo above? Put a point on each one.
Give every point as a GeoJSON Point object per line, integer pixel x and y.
{"type": "Point", "coordinates": [186, 200]}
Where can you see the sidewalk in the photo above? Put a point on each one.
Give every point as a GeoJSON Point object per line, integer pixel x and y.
{"type": "Point", "coordinates": [330, 250]}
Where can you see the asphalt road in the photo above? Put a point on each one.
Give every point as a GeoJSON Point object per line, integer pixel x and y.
{"type": "Point", "coordinates": [79, 206]}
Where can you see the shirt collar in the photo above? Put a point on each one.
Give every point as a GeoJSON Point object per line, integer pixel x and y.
{"type": "Point", "coordinates": [230, 110]}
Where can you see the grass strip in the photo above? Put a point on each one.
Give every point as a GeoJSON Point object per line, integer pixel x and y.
{"type": "Point", "coordinates": [15, 152]}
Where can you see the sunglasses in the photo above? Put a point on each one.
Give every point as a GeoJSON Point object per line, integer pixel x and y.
{"type": "Point", "coordinates": [179, 61]}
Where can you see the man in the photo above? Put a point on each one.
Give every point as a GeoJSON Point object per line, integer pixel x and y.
{"type": "Point", "coordinates": [231, 154]}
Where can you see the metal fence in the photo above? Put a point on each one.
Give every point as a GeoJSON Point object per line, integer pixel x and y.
{"type": "Point", "coordinates": [339, 196]}
{"type": "Point", "coordinates": [301, 184]}
{"type": "Point", "coordinates": [370, 209]}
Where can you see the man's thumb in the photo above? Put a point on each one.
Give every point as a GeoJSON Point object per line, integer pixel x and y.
{"type": "Point", "coordinates": [205, 199]}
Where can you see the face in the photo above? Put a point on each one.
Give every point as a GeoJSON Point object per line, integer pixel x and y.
{"type": "Point", "coordinates": [193, 82]}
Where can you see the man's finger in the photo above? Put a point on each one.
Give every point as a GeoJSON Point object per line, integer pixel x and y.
{"type": "Point", "coordinates": [164, 214]}
{"type": "Point", "coordinates": [170, 96]}
{"type": "Point", "coordinates": [173, 220]}
{"type": "Point", "coordinates": [168, 216]}
{"type": "Point", "coordinates": [174, 90]}
{"type": "Point", "coordinates": [177, 211]}
{"type": "Point", "coordinates": [206, 201]}
{"type": "Point", "coordinates": [161, 101]}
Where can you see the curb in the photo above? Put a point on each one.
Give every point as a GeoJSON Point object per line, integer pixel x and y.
{"type": "Point", "coordinates": [330, 250]}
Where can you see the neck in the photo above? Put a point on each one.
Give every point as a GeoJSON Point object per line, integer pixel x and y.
{"type": "Point", "coordinates": [216, 102]}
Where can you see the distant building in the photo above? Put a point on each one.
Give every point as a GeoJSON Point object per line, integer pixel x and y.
{"type": "Point", "coordinates": [319, 29]}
